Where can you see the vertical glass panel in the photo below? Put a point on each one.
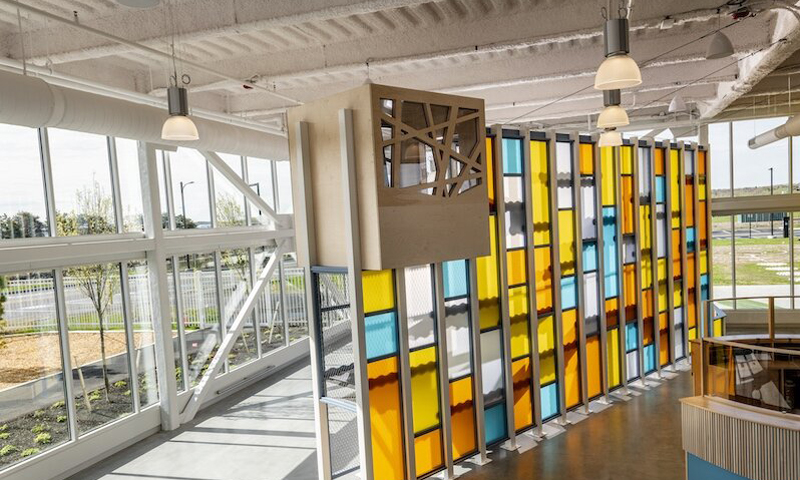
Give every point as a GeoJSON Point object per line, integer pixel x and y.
{"type": "Point", "coordinates": [31, 372]}
{"type": "Point", "coordinates": [762, 256]}
{"type": "Point", "coordinates": [512, 156]}
{"type": "Point", "coordinates": [549, 396]}
{"type": "Point", "coordinates": [523, 397]}
{"type": "Point", "coordinates": [626, 200]}
{"type": "Point", "coordinates": [201, 325]}
{"type": "Point", "coordinates": [610, 255]}
{"type": "Point", "coordinates": [569, 294]}
{"type": "Point", "coordinates": [455, 278]}
{"type": "Point", "coordinates": [644, 173]}
{"type": "Point", "coordinates": [230, 201]}
{"type": "Point", "coordinates": [462, 421]}
{"type": "Point", "coordinates": [540, 193]}
{"type": "Point", "coordinates": [381, 333]}
{"type": "Point", "coordinates": [235, 286]}
{"type": "Point", "coordinates": [587, 158]}
{"type": "Point", "coordinates": [661, 189]}
{"type": "Point", "coordinates": [719, 141]}
{"type": "Point", "coordinates": [564, 174]}
{"type": "Point", "coordinates": [566, 234]}
{"type": "Point", "coordinates": [589, 256]}
{"type": "Point", "coordinates": [547, 350]}
{"type": "Point", "coordinates": [459, 345]}
{"type": "Point", "coordinates": [632, 364]}
{"type": "Point", "coordinates": [144, 336]}
{"type": "Point", "coordinates": [492, 358]}
{"type": "Point", "coordinates": [612, 312]}
{"type": "Point", "coordinates": [190, 189]}
{"type": "Point", "coordinates": [378, 290]}
{"type": "Point", "coordinates": [98, 345]}
{"type": "Point", "coordinates": [130, 186]}
{"type": "Point", "coordinates": [764, 171]}
{"type": "Point", "coordinates": [516, 267]}
{"type": "Point", "coordinates": [428, 452]}
{"type": "Point", "coordinates": [594, 374]}
{"type": "Point", "coordinates": [419, 306]}
{"type": "Point", "coordinates": [572, 375]}
{"type": "Point", "coordinates": [495, 423]}
{"type": "Point", "coordinates": [385, 419]}
{"type": "Point", "coordinates": [628, 249]}
{"type": "Point", "coordinates": [589, 220]}
{"type": "Point", "coordinates": [515, 212]}
{"type": "Point", "coordinates": [424, 388]}
{"type": "Point", "coordinates": [172, 280]}
{"type": "Point", "coordinates": [518, 313]}
{"type": "Point", "coordinates": [613, 358]}
{"type": "Point", "coordinates": [81, 183]}
{"type": "Point", "coordinates": [608, 176]}
{"type": "Point", "coordinates": [544, 278]}
{"type": "Point", "coordinates": [661, 230]}
{"type": "Point", "coordinates": [260, 179]}
{"type": "Point", "coordinates": [23, 212]}
{"type": "Point", "coordinates": [488, 286]}
{"type": "Point", "coordinates": [490, 173]}
{"type": "Point", "coordinates": [591, 301]}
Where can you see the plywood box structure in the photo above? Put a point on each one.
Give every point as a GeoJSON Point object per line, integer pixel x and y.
{"type": "Point", "coordinates": [420, 174]}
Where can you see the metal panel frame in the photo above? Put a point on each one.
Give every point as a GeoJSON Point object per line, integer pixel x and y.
{"type": "Point", "coordinates": [638, 261]}
{"type": "Point", "coordinates": [577, 216]}
{"type": "Point", "coordinates": [623, 365]}
{"type": "Point", "coordinates": [601, 271]}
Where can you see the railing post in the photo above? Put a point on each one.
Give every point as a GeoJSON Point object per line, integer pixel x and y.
{"type": "Point", "coordinates": [771, 321]}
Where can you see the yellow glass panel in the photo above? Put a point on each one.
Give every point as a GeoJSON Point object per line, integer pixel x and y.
{"type": "Point", "coordinates": [645, 233]}
{"type": "Point", "coordinates": [518, 313]}
{"type": "Point", "coordinates": [587, 158]}
{"type": "Point", "coordinates": [523, 406]}
{"type": "Point", "coordinates": [612, 349]}
{"type": "Point", "coordinates": [378, 289]}
{"type": "Point", "coordinates": [516, 267]}
{"type": "Point", "coordinates": [663, 354]}
{"type": "Point", "coordinates": [428, 452]}
{"type": "Point", "coordinates": [662, 268]}
{"type": "Point", "coordinates": [718, 328]}
{"type": "Point", "coordinates": [647, 269]}
{"type": "Point", "coordinates": [385, 420]}
{"type": "Point", "coordinates": [607, 176]}
{"type": "Point", "coordinates": [626, 159]}
{"type": "Point", "coordinates": [703, 262]}
{"type": "Point", "coordinates": [626, 200]}
{"type": "Point", "coordinates": [674, 183]}
{"type": "Point", "coordinates": [488, 288]}
{"type": "Point", "coordinates": [490, 170]}
{"type": "Point", "coordinates": [462, 409]}
{"type": "Point", "coordinates": [540, 193]}
{"type": "Point", "coordinates": [692, 333]}
{"type": "Point", "coordinates": [662, 296]}
{"type": "Point", "coordinates": [566, 241]}
{"type": "Point", "coordinates": [424, 388]}
{"type": "Point", "coordinates": [547, 345]}
{"type": "Point", "coordinates": [543, 278]}
{"type": "Point", "coordinates": [570, 326]}
{"type": "Point", "coordinates": [572, 376]}
{"type": "Point", "coordinates": [593, 367]}
{"type": "Point", "coordinates": [677, 294]}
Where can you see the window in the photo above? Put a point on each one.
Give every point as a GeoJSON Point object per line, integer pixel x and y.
{"type": "Point", "coordinates": [190, 189]}
{"type": "Point", "coordinates": [201, 326]}
{"type": "Point", "coordinates": [268, 314]}
{"type": "Point", "coordinates": [81, 183]}
{"type": "Point", "coordinates": [23, 211]}
{"type": "Point", "coordinates": [144, 338]}
{"type": "Point", "coordinates": [130, 185]}
{"type": "Point", "coordinates": [719, 140]}
{"type": "Point", "coordinates": [763, 171]}
{"type": "Point", "coordinates": [762, 256]}
{"type": "Point", "coordinates": [230, 202]}
{"type": "Point", "coordinates": [722, 247]}
{"type": "Point", "coordinates": [235, 285]}
{"type": "Point", "coordinates": [260, 177]}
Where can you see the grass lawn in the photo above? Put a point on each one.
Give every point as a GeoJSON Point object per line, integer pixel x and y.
{"type": "Point", "coordinates": [754, 259]}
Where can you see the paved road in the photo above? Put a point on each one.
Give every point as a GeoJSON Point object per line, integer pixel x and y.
{"type": "Point", "coordinates": [755, 232]}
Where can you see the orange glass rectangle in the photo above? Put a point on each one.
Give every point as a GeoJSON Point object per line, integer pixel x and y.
{"type": "Point", "coordinates": [570, 325]}
{"type": "Point", "coordinates": [647, 303]}
{"type": "Point", "coordinates": [702, 224]}
{"type": "Point", "coordinates": [691, 308]}
{"type": "Point", "coordinates": [516, 267]}
{"type": "Point", "coordinates": [612, 312]}
{"type": "Point", "coordinates": [594, 380]}
{"type": "Point", "coordinates": [648, 332]}
{"type": "Point", "coordinates": [386, 423]}
{"type": "Point", "coordinates": [629, 284]}
{"type": "Point", "coordinates": [587, 158]}
{"type": "Point", "coordinates": [626, 201]}
{"type": "Point", "coordinates": [701, 162]}
{"type": "Point", "coordinates": [689, 209]}
{"type": "Point", "coordinates": [427, 452]}
{"type": "Point", "coordinates": [658, 161]}
{"type": "Point", "coordinates": [663, 347]}
{"type": "Point", "coordinates": [523, 400]}
{"type": "Point", "coordinates": [462, 414]}
{"type": "Point", "coordinates": [691, 279]}
{"type": "Point", "coordinates": [544, 278]}
{"type": "Point", "coordinates": [572, 376]}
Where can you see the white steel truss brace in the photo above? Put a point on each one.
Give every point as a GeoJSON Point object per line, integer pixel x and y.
{"type": "Point", "coordinates": [207, 381]}
{"type": "Point", "coordinates": [241, 185]}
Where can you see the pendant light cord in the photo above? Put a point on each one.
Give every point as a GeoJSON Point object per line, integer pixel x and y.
{"type": "Point", "coordinates": [22, 43]}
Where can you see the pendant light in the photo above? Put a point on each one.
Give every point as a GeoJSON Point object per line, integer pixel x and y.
{"type": "Point", "coordinates": [618, 70]}
{"type": "Point", "coordinates": [178, 127]}
{"type": "Point", "coordinates": [610, 138]}
{"type": "Point", "coordinates": [677, 105]}
{"type": "Point", "coordinates": [720, 46]}
{"type": "Point", "coordinates": [613, 115]}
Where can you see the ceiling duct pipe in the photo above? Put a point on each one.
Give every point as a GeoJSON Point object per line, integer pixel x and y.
{"type": "Point", "coordinates": [32, 102]}
{"type": "Point", "coordinates": [789, 129]}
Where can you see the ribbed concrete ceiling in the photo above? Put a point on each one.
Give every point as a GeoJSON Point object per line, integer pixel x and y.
{"type": "Point", "coordinates": [519, 55]}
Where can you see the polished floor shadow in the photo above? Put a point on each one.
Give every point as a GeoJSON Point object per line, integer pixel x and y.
{"type": "Point", "coordinates": [637, 439]}
{"type": "Point", "coordinates": [264, 432]}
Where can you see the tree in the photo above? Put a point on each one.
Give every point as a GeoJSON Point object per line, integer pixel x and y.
{"type": "Point", "coordinates": [22, 225]}
{"type": "Point", "coordinates": [95, 215]}
{"type": "Point", "coordinates": [180, 222]}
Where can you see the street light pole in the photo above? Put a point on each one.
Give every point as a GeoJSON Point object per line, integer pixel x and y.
{"type": "Point", "coordinates": [771, 215]}
{"type": "Point", "coordinates": [183, 201]}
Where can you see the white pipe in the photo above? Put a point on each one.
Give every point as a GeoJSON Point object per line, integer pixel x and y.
{"type": "Point", "coordinates": [32, 102]}
{"type": "Point", "coordinates": [789, 129]}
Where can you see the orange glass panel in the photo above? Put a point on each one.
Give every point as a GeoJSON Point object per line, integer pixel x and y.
{"type": "Point", "coordinates": [689, 209]}
{"type": "Point", "coordinates": [572, 376]}
{"type": "Point", "coordinates": [612, 312]}
{"type": "Point", "coordinates": [593, 366]}
{"type": "Point", "coordinates": [663, 347]}
{"type": "Point", "coordinates": [647, 303]}
{"type": "Point", "coordinates": [587, 158]}
{"type": "Point", "coordinates": [691, 311]}
{"type": "Point", "coordinates": [702, 220]}
{"type": "Point", "coordinates": [523, 406]}
{"type": "Point", "coordinates": [490, 171]}
{"type": "Point", "coordinates": [570, 327]}
{"type": "Point", "coordinates": [517, 270]}
{"type": "Point", "coordinates": [385, 419]}
{"type": "Point", "coordinates": [462, 408]}
{"type": "Point", "coordinates": [629, 284]}
{"type": "Point", "coordinates": [627, 204]}
{"type": "Point", "coordinates": [691, 279]}
{"type": "Point", "coordinates": [427, 452]}
{"type": "Point", "coordinates": [648, 333]}
{"type": "Point", "coordinates": [658, 159]}
{"type": "Point", "coordinates": [544, 279]}
{"type": "Point", "coordinates": [701, 162]}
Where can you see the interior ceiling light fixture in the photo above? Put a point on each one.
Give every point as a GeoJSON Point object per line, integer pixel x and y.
{"type": "Point", "coordinates": [618, 70]}
{"type": "Point", "coordinates": [139, 3]}
{"type": "Point", "coordinates": [720, 45]}
{"type": "Point", "coordinates": [677, 105]}
{"type": "Point", "coordinates": [610, 138]}
{"type": "Point", "coordinates": [613, 115]}
{"type": "Point", "coordinates": [178, 127]}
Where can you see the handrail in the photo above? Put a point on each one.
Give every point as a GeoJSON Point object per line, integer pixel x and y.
{"type": "Point", "coordinates": [751, 347]}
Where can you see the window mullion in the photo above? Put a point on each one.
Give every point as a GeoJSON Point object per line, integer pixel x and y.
{"type": "Point", "coordinates": [47, 177]}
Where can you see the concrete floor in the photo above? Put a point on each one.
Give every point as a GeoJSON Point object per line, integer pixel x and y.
{"type": "Point", "coordinates": [266, 432]}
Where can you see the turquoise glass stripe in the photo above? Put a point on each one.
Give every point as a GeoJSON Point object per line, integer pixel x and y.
{"type": "Point", "coordinates": [512, 156]}
{"type": "Point", "coordinates": [549, 401]}
{"type": "Point", "coordinates": [495, 420]}
{"type": "Point", "coordinates": [610, 257]}
{"type": "Point", "coordinates": [455, 278]}
{"type": "Point", "coordinates": [589, 256]}
{"type": "Point", "coordinates": [649, 358]}
{"type": "Point", "coordinates": [569, 293]}
{"type": "Point", "coordinates": [631, 336]}
{"type": "Point", "coordinates": [661, 189]}
{"type": "Point", "coordinates": [690, 239]}
{"type": "Point", "coordinates": [381, 335]}
{"type": "Point", "coordinates": [704, 286]}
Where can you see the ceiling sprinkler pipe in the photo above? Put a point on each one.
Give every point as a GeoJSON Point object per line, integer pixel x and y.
{"type": "Point", "coordinates": [789, 129]}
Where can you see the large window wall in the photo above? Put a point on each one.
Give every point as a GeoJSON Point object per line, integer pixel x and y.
{"type": "Point", "coordinates": [79, 317]}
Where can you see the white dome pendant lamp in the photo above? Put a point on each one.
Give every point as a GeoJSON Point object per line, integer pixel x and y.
{"type": "Point", "coordinates": [178, 127]}
{"type": "Point", "coordinates": [610, 138]}
{"type": "Point", "coordinates": [720, 45]}
{"type": "Point", "coordinates": [612, 115]}
{"type": "Point", "coordinates": [618, 70]}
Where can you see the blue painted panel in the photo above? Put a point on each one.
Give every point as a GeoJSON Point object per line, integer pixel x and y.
{"type": "Point", "coordinates": [381, 335]}
{"type": "Point", "coordinates": [631, 336]}
{"type": "Point", "coordinates": [610, 257]}
{"type": "Point", "coordinates": [704, 286]}
{"type": "Point", "coordinates": [512, 155]}
{"type": "Point", "coordinates": [699, 469]}
{"type": "Point", "coordinates": [690, 239]}
{"type": "Point", "coordinates": [495, 419]}
{"type": "Point", "coordinates": [549, 401]}
{"type": "Point", "coordinates": [569, 294]}
{"type": "Point", "coordinates": [649, 358]}
{"type": "Point", "coordinates": [455, 278]}
{"type": "Point", "coordinates": [661, 189]}
{"type": "Point", "coordinates": [589, 256]}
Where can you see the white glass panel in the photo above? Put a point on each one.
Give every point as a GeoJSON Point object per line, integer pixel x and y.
{"type": "Point", "coordinates": [492, 365]}
{"type": "Point", "coordinates": [589, 221]}
{"type": "Point", "coordinates": [419, 306]}
{"type": "Point", "coordinates": [515, 212]}
{"type": "Point", "coordinates": [458, 337]}
{"type": "Point", "coordinates": [564, 174]}
{"type": "Point", "coordinates": [590, 294]}
{"type": "Point", "coordinates": [661, 230]}
{"type": "Point", "coordinates": [632, 364]}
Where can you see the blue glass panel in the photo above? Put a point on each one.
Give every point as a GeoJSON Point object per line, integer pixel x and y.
{"type": "Point", "coordinates": [381, 335]}
{"type": "Point", "coordinates": [495, 419]}
{"type": "Point", "coordinates": [610, 257]}
{"type": "Point", "coordinates": [589, 256]}
{"type": "Point", "coordinates": [649, 358]}
{"type": "Point", "coordinates": [699, 469]}
{"type": "Point", "coordinates": [631, 336]}
{"type": "Point", "coordinates": [661, 189]}
{"type": "Point", "coordinates": [455, 278]}
{"type": "Point", "coordinates": [569, 294]}
{"type": "Point", "coordinates": [704, 286]}
{"type": "Point", "coordinates": [690, 239]}
{"type": "Point", "coordinates": [512, 155]}
{"type": "Point", "coordinates": [549, 401]}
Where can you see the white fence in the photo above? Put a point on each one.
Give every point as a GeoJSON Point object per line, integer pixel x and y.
{"type": "Point", "coordinates": [31, 305]}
